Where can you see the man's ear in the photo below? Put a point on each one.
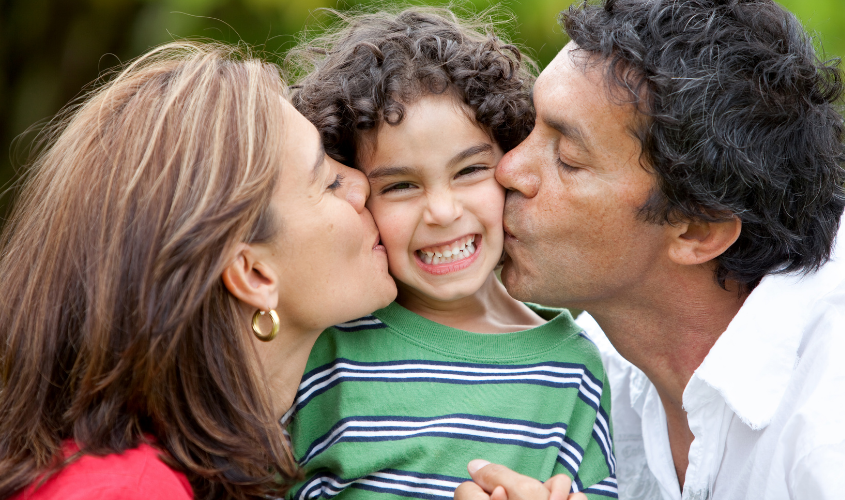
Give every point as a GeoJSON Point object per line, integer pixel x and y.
{"type": "Point", "coordinates": [251, 280]}
{"type": "Point", "coordinates": [697, 242]}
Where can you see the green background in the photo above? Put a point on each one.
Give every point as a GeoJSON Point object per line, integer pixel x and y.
{"type": "Point", "coordinates": [50, 49]}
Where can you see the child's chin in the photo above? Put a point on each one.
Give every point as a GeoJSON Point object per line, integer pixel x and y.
{"type": "Point", "coordinates": [457, 292]}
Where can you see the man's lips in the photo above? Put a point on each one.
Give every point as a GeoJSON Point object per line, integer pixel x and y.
{"type": "Point", "coordinates": [508, 234]}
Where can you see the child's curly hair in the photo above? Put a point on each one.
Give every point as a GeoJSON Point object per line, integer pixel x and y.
{"type": "Point", "coordinates": [365, 72]}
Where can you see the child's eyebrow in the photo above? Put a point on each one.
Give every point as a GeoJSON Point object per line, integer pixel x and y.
{"type": "Point", "coordinates": [470, 152]}
{"type": "Point", "coordinates": [389, 171]}
{"type": "Point", "coordinates": [395, 170]}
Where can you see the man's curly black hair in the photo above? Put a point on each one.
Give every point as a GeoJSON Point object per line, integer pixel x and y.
{"type": "Point", "coordinates": [740, 119]}
{"type": "Point", "coordinates": [365, 73]}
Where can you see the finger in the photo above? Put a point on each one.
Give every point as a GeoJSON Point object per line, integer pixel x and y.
{"type": "Point", "coordinates": [517, 486]}
{"type": "Point", "coordinates": [559, 487]}
{"type": "Point", "coordinates": [470, 491]}
{"type": "Point", "coordinates": [476, 464]}
{"type": "Point", "coordinates": [577, 496]}
{"type": "Point", "coordinates": [499, 493]}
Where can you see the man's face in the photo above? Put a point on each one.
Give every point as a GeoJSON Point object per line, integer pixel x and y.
{"type": "Point", "coordinates": [573, 235]}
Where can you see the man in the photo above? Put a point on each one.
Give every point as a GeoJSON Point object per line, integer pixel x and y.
{"type": "Point", "coordinates": [683, 184]}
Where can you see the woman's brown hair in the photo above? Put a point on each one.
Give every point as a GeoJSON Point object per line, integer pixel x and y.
{"type": "Point", "coordinates": [115, 326]}
{"type": "Point", "coordinates": [364, 69]}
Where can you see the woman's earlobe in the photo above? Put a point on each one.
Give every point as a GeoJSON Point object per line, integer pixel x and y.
{"type": "Point", "coordinates": [249, 280]}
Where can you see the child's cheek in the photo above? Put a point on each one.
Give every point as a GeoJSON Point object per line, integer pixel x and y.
{"type": "Point", "coordinates": [492, 210]}
{"type": "Point", "coordinates": [393, 230]}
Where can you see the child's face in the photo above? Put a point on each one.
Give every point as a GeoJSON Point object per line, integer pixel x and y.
{"type": "Point", "coordinates": [434, 194]}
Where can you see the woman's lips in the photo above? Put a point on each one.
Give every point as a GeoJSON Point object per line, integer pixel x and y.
{"type": "Point", "coordinates": [378, 246]}
{"type": "Point", "coordinates": [445, 259]}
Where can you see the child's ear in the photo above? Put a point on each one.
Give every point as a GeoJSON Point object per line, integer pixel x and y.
{"type": "Point", "coordinates": [697, 242]}
{"type": "Point", "coordinates": [251, 280]}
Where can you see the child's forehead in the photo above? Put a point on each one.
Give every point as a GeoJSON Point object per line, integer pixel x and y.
{"type": "Point", "coordinates": [433, 127]}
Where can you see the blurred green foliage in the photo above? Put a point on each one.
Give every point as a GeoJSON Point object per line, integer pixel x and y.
{"type": "Point", "coordinates": [50, 49]}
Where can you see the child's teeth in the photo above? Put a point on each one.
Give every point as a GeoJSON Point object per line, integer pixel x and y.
{"type": "Point", "coordinates": [459, 250]}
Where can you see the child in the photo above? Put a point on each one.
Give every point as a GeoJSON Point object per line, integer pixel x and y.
{"type": "Point", "coordinates": [397, 403]}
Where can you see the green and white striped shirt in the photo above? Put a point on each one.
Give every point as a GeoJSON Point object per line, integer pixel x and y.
{"type": "Point", "coordinates": [394, 405]}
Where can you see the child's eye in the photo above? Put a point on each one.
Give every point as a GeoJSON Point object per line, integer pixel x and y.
{"type": "Point", "coordinates": [472, 169]}
{"type": "Point", "coordinates": [399, 186]}
{"type": "Point", "coordinates": [338, 182]}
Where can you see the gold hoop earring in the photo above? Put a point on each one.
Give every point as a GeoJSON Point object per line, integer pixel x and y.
{"type": "Point", "coordinates": [256, 328]}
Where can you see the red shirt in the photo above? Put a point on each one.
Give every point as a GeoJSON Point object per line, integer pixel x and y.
{"type": "Point", "coordinates": [136, 474]}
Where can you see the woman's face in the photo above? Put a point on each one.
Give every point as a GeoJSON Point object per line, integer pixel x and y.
{"type": "Point", "coordinates": [331, 265]}
{"type": "Point", "coordinates": [436, 200]}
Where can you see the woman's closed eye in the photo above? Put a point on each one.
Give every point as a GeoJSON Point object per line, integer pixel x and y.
{"type": "Point", "coordinates": [337, 184]}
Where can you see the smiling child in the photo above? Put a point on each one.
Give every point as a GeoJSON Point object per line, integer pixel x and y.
{"type": "Point", "coordinates": [397, 403]}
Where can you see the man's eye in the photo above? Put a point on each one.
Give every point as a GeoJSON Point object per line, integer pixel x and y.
{"type": "Point", "coordinates": [338, 182]}
{"type": "Point", "coordinates": [565, 166]}
{"type": "Point", "coordinates": [399, 186]}
{"type": "Point", "coordinates": [472, 169]}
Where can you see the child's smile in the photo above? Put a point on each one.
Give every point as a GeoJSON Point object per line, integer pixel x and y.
{"type": "Point", "coordinates": [451, 256]}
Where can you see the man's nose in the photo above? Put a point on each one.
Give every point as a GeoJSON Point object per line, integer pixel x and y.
{"type": "Point", "coordinates": [517, 170]}
{"type": "Point", "coordinates": [442, 208]}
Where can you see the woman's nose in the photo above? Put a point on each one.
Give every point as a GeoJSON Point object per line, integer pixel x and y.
{"type": "Point", "coordinates": [442, 209]}
{"type": "Point", "coordinates": [357, 188]}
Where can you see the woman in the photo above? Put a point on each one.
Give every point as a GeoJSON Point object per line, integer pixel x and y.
{"type": "Point", "coordinates": [175, 252]}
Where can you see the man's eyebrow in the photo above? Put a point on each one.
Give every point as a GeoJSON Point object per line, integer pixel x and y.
{"type": "Point", "coordinates": [570, 131]}
{"type": "Point", "coordinates": [389, 171]}
{"type": "Point", "coordinates": [471, 151]}
{"type": "Point", "coordinates": [321, 159]}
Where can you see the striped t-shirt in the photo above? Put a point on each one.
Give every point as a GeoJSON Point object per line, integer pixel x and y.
{"type": "Point", "coordinates": [394, 405]}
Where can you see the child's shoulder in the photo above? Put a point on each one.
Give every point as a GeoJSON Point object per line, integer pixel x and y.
{"type": "Point", "coordinates": [347, 339]}
{"type": "Point", "coordinates": [576, 346]}
{"type": "Point", "coordinates": [376, 338]}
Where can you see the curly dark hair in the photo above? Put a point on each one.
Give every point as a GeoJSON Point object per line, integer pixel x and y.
{"type": "Point", "coordinates": [740, 120]}
{"type": "Point", "coordinates": [371, 65]}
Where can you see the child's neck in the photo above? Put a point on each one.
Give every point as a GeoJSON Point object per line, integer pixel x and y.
{"type": "Point", "coordinates": [489, 310]}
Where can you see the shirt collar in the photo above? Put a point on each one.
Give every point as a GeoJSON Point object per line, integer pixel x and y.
{"type": "Point", "coordinates": [752, 362]}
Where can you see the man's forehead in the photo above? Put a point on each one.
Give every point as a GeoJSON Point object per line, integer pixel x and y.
{"type": "Point", "coordinates": [571, 96]}
{"type": "Point", "coordinates": [548, 77]}
{"type": "Point", "coordinates": [564, 71]}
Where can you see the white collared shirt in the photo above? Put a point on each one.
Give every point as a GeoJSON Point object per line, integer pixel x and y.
{"type": "Point", "coordinates": [766, 406]}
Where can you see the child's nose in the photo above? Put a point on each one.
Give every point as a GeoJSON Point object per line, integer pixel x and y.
{"type": "Point", "coordinates": [442, 209]}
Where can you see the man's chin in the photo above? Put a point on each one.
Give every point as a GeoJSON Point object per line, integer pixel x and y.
{"type": "Point", "coordinates": [514, 281]}
{"type": "Point", "coordinates": [527, 287]}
